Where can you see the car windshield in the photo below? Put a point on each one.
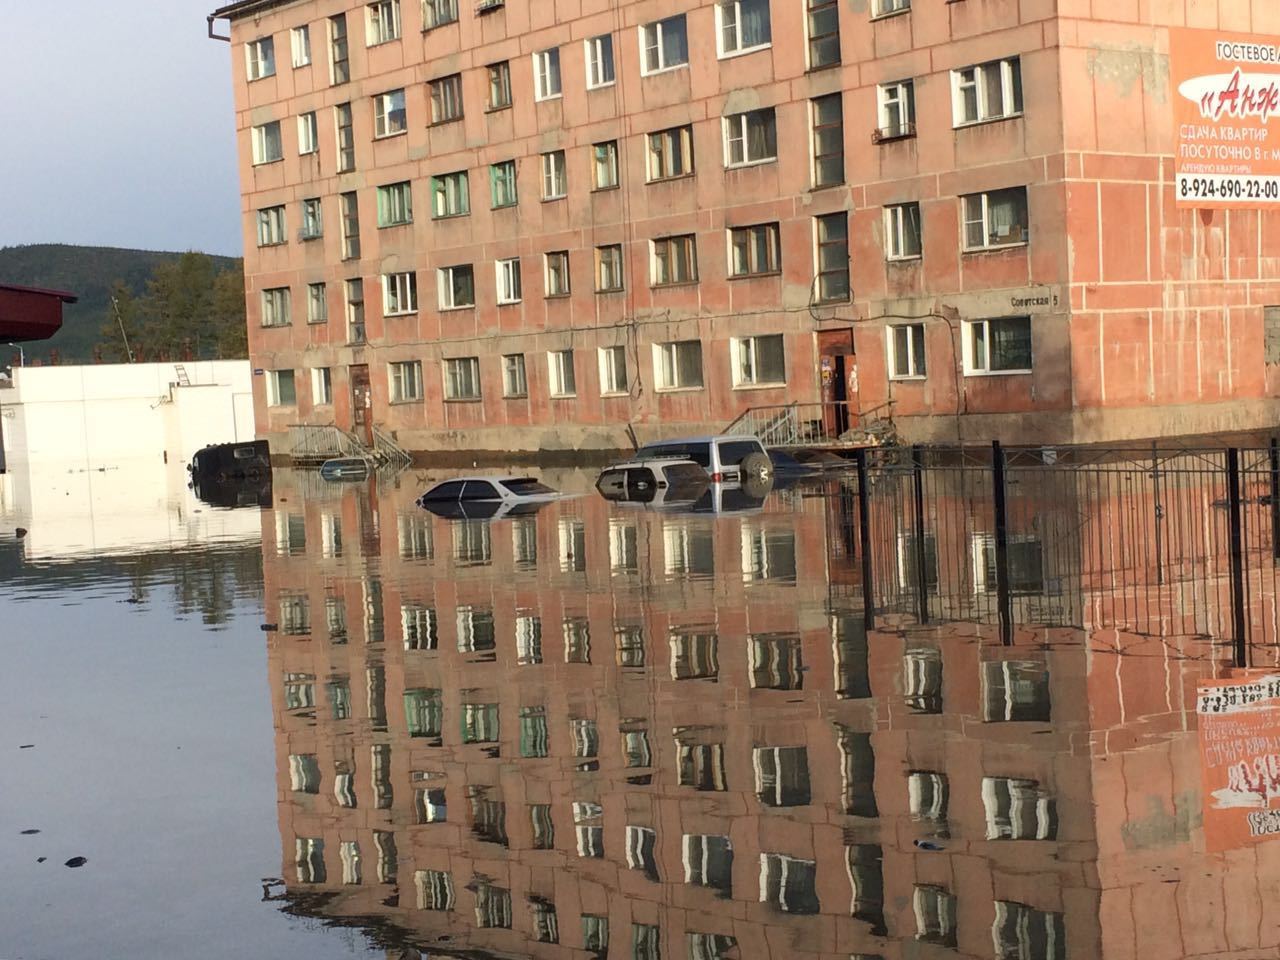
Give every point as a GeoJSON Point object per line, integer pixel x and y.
{"type": "Point", "coordinates": [526, 487]}
{"type": "Point", "coordinates": [699, 453]}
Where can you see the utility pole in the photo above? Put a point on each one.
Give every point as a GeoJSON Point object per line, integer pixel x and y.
{"type": "Point", "coordinates": [123, 336]}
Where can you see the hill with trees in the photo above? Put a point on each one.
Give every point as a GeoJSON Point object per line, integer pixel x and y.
{"type": "Point", "coordinates": [172, 305]}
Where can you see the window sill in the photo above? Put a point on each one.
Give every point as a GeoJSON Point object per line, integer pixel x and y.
{"type": "Point", "coordinates": [405, 402]}
{"type": "Point", "coordinates": [678, 389]}
{"type": "Point", "coordinates": [282, 406]}
{"type": "Point", "coordinates": [510, 303]}
{"type": "Point", "coordinates": [888, 135]}
{"type": "Point", "coordinates": [455, 309]}
{"type": "Point", "coordinates": [312, 236]}
{"type": "Point", "coordinates": [505, 206]}
{"type": "Point", "coordinates": [601, 86]}
{"type": "Point", "coordinates": [745, 51]}
{"type": "Point", "coordinates": [308, 153]}
{"type": "Point", "coordinates": [515, 396]}
{"type": "Point", "coordinates": [662, 70]}
{"type": "Point", "coordinates": [549, 98]}
{"type": "Point", "coordinates": [563, 196]}
{"type": "Point", "coordinates": [614, 394]}
{"type": "Point", "coordinates": [450, 216]}
{"type": "Point", "coordinates": [445, 122]}
{"type": "Point", "coordinates": [747, 164]}
{"type": "Point", "coordinates": [275, 326]}
{"type": "Point", "coordinates": [564, 396]}
{"type": "Point", "coordinates": [610, 291]}
{"type": "Point", "coordinates": [398, 223]}
{"type": "Point", "coordinates": [817, 187]}
{"type": "Point", "coordinates": [267, 163]}
{"type": "Point", "coordinates": [830, 301]}
{"type": "Point", "coordinates": [318, 323]}
{"type": "Point", "coordinates": [400, 313]}
{"type": "Point", "coordinates": [996, 248]}
{"type": "Point", "coordinates": [985, 121]}
{"type": "Point", "coordinates": [437, 26]}
{"type": "Point", "coordinates": [498, 108]}
{"type": "Point", "coordinates": [890, 14]}
{"type": "Point", "coordinates": [911, 378]}
{"type": "Point", "coordinates": [997, 373]}
{"type": "Point", "coordinates": [380, 43]}
{"type": "Point", "coordinates": [673, 286]}
{"type": "Point", "coordinates": [823, 67]}
{"type": "Point", "coordinates": [606, 189]}
{"type": "Point", "coordinates": [755, 276]}
{"type": "Point", "coordinates": [907, 259]}
{"type": "Point", "coordinates": [678, 177]}
{"type": "Point", "coordinates": [777, 385]}
{"type": "Point", "coordinates": [392, 135]}
{"type": "Point", "coordinates": [464, 400]}
{"type": "Point", "coordinates": [558, 296]}
{"type": "Point", "coordinates": [265, 76]}
{"type": "Point", "coordinates": [278, 243]}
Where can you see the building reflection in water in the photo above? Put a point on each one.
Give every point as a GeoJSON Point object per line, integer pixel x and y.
{"type": "Point", "coordinates": [600, 731]}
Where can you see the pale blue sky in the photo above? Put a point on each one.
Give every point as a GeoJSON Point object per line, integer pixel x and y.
{"type": "Point", "coordinates": [117, 126]}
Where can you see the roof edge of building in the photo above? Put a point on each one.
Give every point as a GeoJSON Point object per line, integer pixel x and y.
{"type": "Point", "coordinates": [64, 295]}
{"type": "Point", "coordinates": [244, 8]}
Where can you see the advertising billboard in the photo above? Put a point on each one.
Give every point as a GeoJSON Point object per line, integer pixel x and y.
{"type": "Point", "coordinates": [1226, 93]}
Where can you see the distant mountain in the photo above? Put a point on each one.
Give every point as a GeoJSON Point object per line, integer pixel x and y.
{"type": "Point", "coordinates": [87, 272]}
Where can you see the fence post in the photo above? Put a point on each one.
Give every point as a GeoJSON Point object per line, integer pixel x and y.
{"type": "Point", "coordinates": [864, 545]}
{"type": "Point", "coordinates": [922, 579]}
{"type": "Point", "coordinates": [1275, 497]}
{"type": "Point", "coordinates": [1004, 601]}
{"type": "Point", "coordinates": [1237, 556]}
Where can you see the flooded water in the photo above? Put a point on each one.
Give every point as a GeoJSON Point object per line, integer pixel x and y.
{"type": "Point", "coordinates": [923, 725]}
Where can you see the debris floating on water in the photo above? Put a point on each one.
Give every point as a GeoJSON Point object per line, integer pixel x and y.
{"type": "Point", "coordinates": [76, 862]}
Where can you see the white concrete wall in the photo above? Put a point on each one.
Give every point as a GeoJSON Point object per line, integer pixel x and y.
{"type": "Point", "coordinates": [102, 415]}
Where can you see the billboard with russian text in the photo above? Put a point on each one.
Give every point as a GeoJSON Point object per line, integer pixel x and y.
{"type": "Point", "coordinates": [1226, 93]}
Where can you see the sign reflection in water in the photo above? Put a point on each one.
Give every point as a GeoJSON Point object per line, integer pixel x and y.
{"type": "Point", "coordinates": [639, 734]}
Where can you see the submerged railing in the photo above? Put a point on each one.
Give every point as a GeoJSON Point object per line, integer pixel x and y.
{"type": "Point", "coordinates": [827, 423]}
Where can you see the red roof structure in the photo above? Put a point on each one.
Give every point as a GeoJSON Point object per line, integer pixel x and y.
{"type": "Point", "coordinates": [31, 313]}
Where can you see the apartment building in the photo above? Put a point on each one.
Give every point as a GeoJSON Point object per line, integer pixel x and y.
{"type": "Point", "coordinates": [502, 226]}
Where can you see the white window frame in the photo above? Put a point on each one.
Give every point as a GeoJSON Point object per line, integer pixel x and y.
{"type": "Point", "coordinates": [300, 45]}
{"type": "Point", "coordinates": [555, 178]}
{"type": "Point", "coordinates": [666, 366]}
{"type": "Point", "coordinates": [515, 378]}
{"type": "Point", "coordinates": [547, 81]}
{"type": "Point", "coordinates": [454, 369]}
{"type": "Point", "coordinates": [507, 279]}
{"type": "Point", "coordinates": [384, 109]}
{"type": "Point", "coordinates": [897, 218]}
{"type": "Point", "coordinates": [744, 356]}
{"type": "Point", "coordinates": [653, 38]}
{"type": "Point", "coordinates": [749, 232]}
{"type": "Point", "coordinates": [382, 22]}
{"type": "Point", "coordinates": [271, 226]}
{"type": "Point", "coordinates": [896, 109]}
{"type": "Point", "coordinates": [915, 360]}
{"type": "Point", "coordinates": [437, 13]}
{"type": "Point", "coordinates": [977, 360]}
{"type": "Point", "coordinates": [737, 137]}
{"type": "Point", "coordinates": [599, 62]}
{"type": "Point", "coordinates": [561, 376]}
{"type": "Point", "coordinates": [404, 381]}
{"type": "Point", "coordinates": [975, 208]}
{"type": "Point", "coordinates": [979, 77]}
{"type": "Point", "coordinates": [555, 273]}
{"type": "Point", "coordinates": [727, 26]}
{"type": "Point", "coordinates": [312, 219]}
{"type": "Point", "coordinates": [274, 398]}
{"type": "Point", "coordinates": [317, 303]}
{"type": "Point", "coordinates": [681, 244]}
{"type": "Point", "coordinates": [444, 277]}
{"type": "Point", "coordinates": [308, 133]}
{"type": "Point", "coordinates": [608, 164]}
{"type": "Point", "coordinates": [261, 137]}
{"type": "Point", "coordinates": [321, 386]}
{"type": "Point", "coordinates": [260, 58]}
{"type": "Point", "coordinates": [276, 307]}
{"type": "Point", "coordinates": [613, 371]}
{"type": "Point", "coordinates": [606, 264]}
{"type": "Point", "coordinates": [446, 99]}
{"type": "Point", "coordinates": [399, 294]}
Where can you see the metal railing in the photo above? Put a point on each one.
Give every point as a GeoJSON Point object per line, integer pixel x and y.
{"type": "Point", "coordinates": [318, 442]}
{"type": "Point", "coordinates": [821, 423]}
{"type": "Point", "coordinates": [386, 450]}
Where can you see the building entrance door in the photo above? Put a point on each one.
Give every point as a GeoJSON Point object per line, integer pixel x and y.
{"type": "Point", "coordinates": [362, 404]}
{"type": "Point", "coordinates": [838, 372]}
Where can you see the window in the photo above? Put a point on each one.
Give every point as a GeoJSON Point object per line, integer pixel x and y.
{"type": "Point", "coordinates": [743, 25]}
{"type": "Point", "coordinates": [1015, 691]}
{"type": "Point", "coordinates": [346, 137]}
{"type": "Point", "coordinates": [577, 631]}
{"type": "Point", "coordinates": [502, 184]}
{"type": "Point", "coordinates": [271, 226]}
{"type": "Point", "coordinates": [395, 204]}
{"type": "Point", "coordinates": [309, 858]}
{"type": "Point", "coordinates": [450, 195]}
{"type": "Point", "coordinates": [280, 389]}
{"type": "Point", "coordinates": [767, 553]}
{"type": "Point", "coordinates": [349, 206]}
{"type": "Point", "coordinates": [260, 58]}
{"type": "Point", "coordinates": [423, 708]}
{"type": "Point", "coordinates": [902, 237]}
{"type": "Point", "coordinates": [997, 218]}
{"type": "Point", "coordinates": [300, 43]}
{"type": "Point", "coordinates": [754, 250]}
{"type": "Point", "coordinates": [670, 153]}
{"type": "Point", "coordinates": [560, 366]}
{"type": "Point", "coordinates": [493, 906]}
{"type": "Point", "coordinates": [600, 71]}
{"type": "Point", "coordinates": [935, 911]}
{"type": "Point", "coordinates": [419, 631]}
{"type": "Point", "coordinates": [688, 551]}
{"type": "Point", "coordinates": [609, 268]}
{"type": "Point", "coordinates": [312, 222]}
{"type": "Point", "coordinates": [554, 185]}
{"type": "Point", "coordinates": [388, 114]}
{"type": "Point", "coordinates": [435, 889]}
{"type": "Point", "coordinates": [906, 351]}
{"type": "Point", "coordinates": [308, 134]}
{"type": "Point", "coordinates": [833, 257]}
{"type": "Point", "coordinates": [462, 378]}
{"type": "Point", "coordinates": [317, 303]}
{"type": "Point", "coordinates": [788, 884]}
{"type": "Point", "coordinates": [508, 275]}
{"type": "Point", "coordinates": [824, 33]}
{"type": "Point", "coordinates": [928, 795]}
{"type": "Point", "coordinates": [674, 260]}
{"type": "Point", "coordinates": [775, 661]}
{"type": "Point", "coordinates": [828, 140]}
{"type": "Point", "coordinates": [678, 365]}
{"type": "Point", "coordinates": [1021, 932]}
{"type": "Point", "coordinates": [557, 273]}
{"type": "Point", "coordinates": [446, 99]}
{"type": "Point", "coordinates": [399, 294]}
{"type": "Point", "coordinates": [339, 64]}
{"type": "Point", "coordinates": [664, 45]}
{"type": "Point", "coordinates": [406, 380]}
{"type": "Point", "coordinates": [573, 551]}
{"type": "Point", "coordinates": [499, 85]}
{"type": "Point", "coordinates": [436, 13]}
{"type": "Point", "coordinates": [782, 776]}
{"type": "Point", "coordinates": [304, 773]}
{"type": "Point", "coordinates": [605, 165]}
{"type": "Point", "coordinates": [641, 842]}
{"type": "Point", "coordinates": [383, 23]}
{"type": "Point", "coordinates": [708, 862]}
{"type": "Point", "coordinates": [1000, 345]}
{"type": "Point", "coordinates": [897, 104]}
{"type": "Point", "coordinates": [715, 946]}
{"type": "Point", "coordinates": [646, 941]}
{"type": "Point", "coordinates": [415, 540]}
{"type": "Point", "coordinates": [546, 74]}
{"type": "Point", "coordinates": [355, 311]}
{"type": "Point", "coordinates": [883, 8]}
{"type": "Point", "coordinates": [457, 287]}
{"type": "Point", "coordinates": [758, 361]}
{"type": "Point", "coordinates": [613, 370]}
{"type": "Point", "coordinates": [988, 91]}
{"type": "Point", "coordinates": [750, 137]}
{"type": "Point", "coordinates": [699, 765]}
{"type": "Point", "coordinates": [1018, 810]}
{"type": "Point", "coordinates": [267, 147]}
{"type": "Point", "coordinates": [275, 307]}
{"type": "Point", "coordinates": [514, 381]}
